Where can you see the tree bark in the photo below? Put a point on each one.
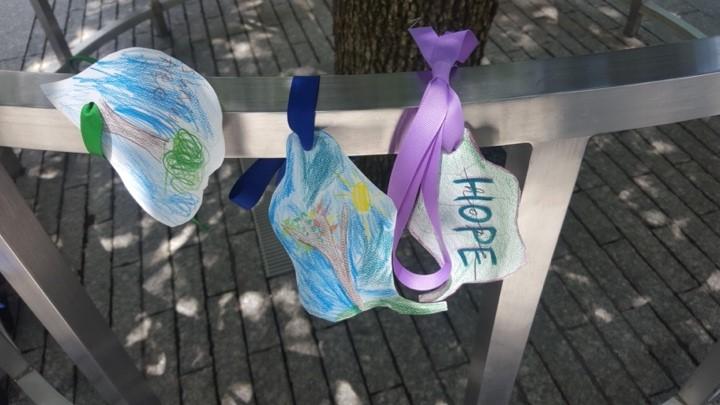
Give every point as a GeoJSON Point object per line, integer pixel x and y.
{"type": "Point", "coordinates": [371, 36]}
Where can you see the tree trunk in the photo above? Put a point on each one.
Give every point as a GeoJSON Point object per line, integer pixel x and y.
{"type": "Point", "coordinates": [371, 36]}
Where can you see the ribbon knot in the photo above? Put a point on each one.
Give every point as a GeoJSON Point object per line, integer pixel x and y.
{"type": "Point", "coordinates": [441, 70]}
{"type": "Point", "coordinates": [251, 185]}
{"type": "Point", "coordinates": [442, 53]}
{"type": "Point", "coordinates": [438, 125]}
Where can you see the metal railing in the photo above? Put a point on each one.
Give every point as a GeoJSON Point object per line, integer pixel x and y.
{"type": "Point", "coordinates": [544, 110]}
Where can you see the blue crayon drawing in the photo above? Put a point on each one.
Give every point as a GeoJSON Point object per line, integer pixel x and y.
{"type": "Point", "coordinates": [163, 127]}
{"type": "Point", "coordinates": [337, 228]}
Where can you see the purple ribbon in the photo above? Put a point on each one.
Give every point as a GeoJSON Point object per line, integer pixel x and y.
{"type": "Point", "coordinates": [437, 126]}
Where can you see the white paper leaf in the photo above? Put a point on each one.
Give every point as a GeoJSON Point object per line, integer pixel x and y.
{"type": "Point", "coordinates": [163, 127]}
{"type": "Point", "coordinates": [337, 228]}
{"type": "Point", "coordinates": [478, 204]}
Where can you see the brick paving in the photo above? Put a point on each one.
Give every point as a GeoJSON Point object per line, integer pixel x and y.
{"type": "Point", "coordinates": [631, 304]}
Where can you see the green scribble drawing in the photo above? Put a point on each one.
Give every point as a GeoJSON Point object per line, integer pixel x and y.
{"type": "Point", "coordinates": [184, 162]}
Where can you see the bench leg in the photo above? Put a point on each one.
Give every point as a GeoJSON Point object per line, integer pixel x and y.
{"type": "Point", "coordinates": [552, 169]}
{"type": "Point", "coordinates": [704, 384]}
{"type": "Point", "coordinates": [44, 14]}
{"type": "Point", "coordinates": [634, 19]}
{"type": "Point", "coordinates": [25, 376]}
{"type": "Point", "coordinates": [159, 18]}
{"type": "Point", "coordinates": [11, 162]}
{"type": "Point", "coordinates": [34, 267]}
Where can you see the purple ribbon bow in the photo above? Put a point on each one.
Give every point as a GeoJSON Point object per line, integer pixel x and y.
{"type": "Point", "coordinates": [438, 123]}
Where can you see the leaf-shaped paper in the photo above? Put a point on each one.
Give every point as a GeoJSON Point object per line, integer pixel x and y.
{"type": "Point", "coordinates": [337, 228]}
{"type": "Point", "coordinates": [478, 204]}
{"type": "Point", "coordinates": [163, 127]}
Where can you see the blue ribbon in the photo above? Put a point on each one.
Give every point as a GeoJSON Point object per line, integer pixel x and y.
{"type": "Point", "coordinates": [301, 108]}
{"type": "Point", "coordinates": [251, 185]}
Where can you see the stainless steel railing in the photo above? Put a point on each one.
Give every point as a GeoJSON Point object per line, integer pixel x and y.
{"type": "Point", "coordinates": [546, 109]}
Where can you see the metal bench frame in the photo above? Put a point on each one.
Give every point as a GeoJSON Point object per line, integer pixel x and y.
{"type": "Point", "coordinates": [24, 375]}
{"type": "Point", "coordinates": [545, 110]}
{"type": "Point", "coordinates": [639, 8]}
{"type": "Point", "coordinates": [56, 37]}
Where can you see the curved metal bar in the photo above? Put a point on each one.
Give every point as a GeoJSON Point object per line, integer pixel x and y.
{"type": "Point", "coordinates": [154, 10]}
{"type": "Point", "coordinates": [44, 13]}
{"type": "Point", "coordinates": [521, 102]}
{"type": "Point", "coordinates": [639, 8]}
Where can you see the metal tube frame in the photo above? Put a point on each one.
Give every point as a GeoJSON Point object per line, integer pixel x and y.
{"type": "Point", "coordinates": [549, 179]}
{"type": "Point", "coordinates": [11, 162]}
{"type": "Point", "coordinates": [24, 375]}
{"type": "Point", "coordinates": [638, 8]}
{"type": "Point", "coordinates": [546, 109]}
{"type": "Point", "coordinates": [47, 19]}
{"type": "Point", "coordinates": [39, 274]}
{"type": "Point", "coordinates": [634, 19]}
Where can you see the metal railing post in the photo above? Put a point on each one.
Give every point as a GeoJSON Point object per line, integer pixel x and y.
{"type": "Point", "coordinates": [36, 270]}
{"type": "Point", "coordinates": [549, 182]}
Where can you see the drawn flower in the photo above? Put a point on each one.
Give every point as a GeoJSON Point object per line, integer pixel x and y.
{"type": "Point", "coordinates": [359, 195]}
{"type": "Point", "coordinates": [330, 239]}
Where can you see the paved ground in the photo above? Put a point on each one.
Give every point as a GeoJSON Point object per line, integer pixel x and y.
{"type": "Point", "coordinates": [630, 307]}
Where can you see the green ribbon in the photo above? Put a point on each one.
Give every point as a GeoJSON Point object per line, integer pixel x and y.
{"type": "Point", "coordinates": [82, 58]}
{"type": "Point", "coordinates": [91, 127]}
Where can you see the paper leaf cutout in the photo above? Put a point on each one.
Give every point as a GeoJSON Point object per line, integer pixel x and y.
{"type": "Point", "coordinates": [163, 127]}
{"type": "Point", "coordinates": [478, 204]}
{"type": "Point", "coordinates": [337, 228]}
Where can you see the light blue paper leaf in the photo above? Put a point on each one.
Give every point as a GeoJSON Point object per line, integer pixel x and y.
{"type": "Point", "coordinates": [478, 205]}
{"type": "Point", "coordinates": [337, 228]}
{"type": "Point", "coordinates": [163, 127]}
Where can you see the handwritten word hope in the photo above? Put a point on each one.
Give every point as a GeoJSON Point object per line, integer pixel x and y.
{"type": "Point", "coordinates": [476, 211]}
